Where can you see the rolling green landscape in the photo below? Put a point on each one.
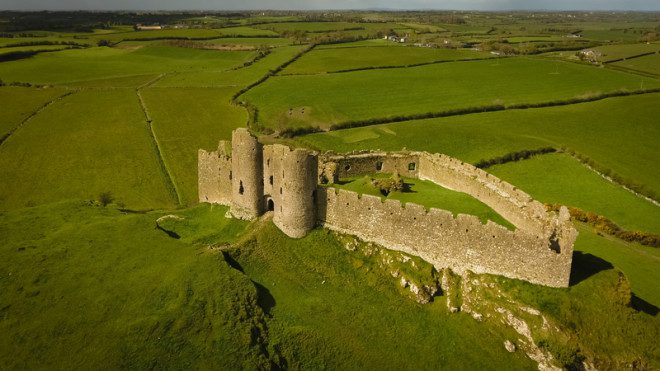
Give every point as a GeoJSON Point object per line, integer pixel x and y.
{"type": "Point", "coordinates": [108, 260]}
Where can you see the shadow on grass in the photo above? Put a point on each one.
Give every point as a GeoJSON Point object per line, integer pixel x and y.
{"type": "Point", "coordinates": [642, 305]}
{"type": "Point", "coordinates": [264, 298]}
{"type": "Point", "coordinates": [586, 265]}
{"type": "Point", "coordinates": [169, 233]}
{"type": "Point", "coordinates": [232, 262]}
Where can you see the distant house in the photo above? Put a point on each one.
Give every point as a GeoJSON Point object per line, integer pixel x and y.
{"type": "Point", "coordinates": [574, 36]}
{"type": "Point", "coordinates": [590, 55]}
{"type": "Point", "coordinates": [397, 39]}
{"type": "Point", "coordinates": [140, 27]}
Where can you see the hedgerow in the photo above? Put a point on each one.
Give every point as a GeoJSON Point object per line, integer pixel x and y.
{"type": "Point", "coordinates": [604, 225]}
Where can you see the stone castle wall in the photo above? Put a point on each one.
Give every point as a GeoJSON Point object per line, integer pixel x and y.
{"type": "Point", "coordinates": [214, 175]}
{"type": "Point", "coordinates": [461, 243]}
{"type": "Point", "coordinates": [334, 166]}
{"type": "Point", "coordinates": [513, 204]}
{"type": "Point", "coordinates": [257, 178]}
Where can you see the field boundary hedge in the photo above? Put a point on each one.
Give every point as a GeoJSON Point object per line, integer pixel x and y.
{"type": "Point", "coordinates": [170, 185]}
{"type": "Point", "coordinates": [514, 156]}
{"type": "Point", "coordinates": [8, 134]}
{"type": "Point", "coordinates": [627, 184]}
{"type": "Point", "coordinates": [270, 73]}
{"type": "Point", "coordinates": [605, 225]}
{"type": "Point", "coordinates": [489, 108]}
{"type": "Point", "coordinates": [631, 57]}
{"type": "Point", "coordinates": [13, 56]}
{"type": "Point", "coordinates": [369, 68]}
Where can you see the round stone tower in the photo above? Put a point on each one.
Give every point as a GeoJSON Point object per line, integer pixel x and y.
{"type": "Point", "coordinates": [246, 175]}
{"type": "Point", "coordinates": [296, 214]}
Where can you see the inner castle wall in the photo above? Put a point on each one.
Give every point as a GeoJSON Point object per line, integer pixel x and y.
{"type": "Point", "coordinates": [290, 183]}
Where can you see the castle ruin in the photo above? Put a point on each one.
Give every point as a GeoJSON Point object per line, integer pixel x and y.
{"type": "Point", "coordinates": [295, 185]}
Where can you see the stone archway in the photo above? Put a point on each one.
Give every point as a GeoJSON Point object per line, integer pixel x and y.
{"type": "Point", "coordinates": [270, 204]}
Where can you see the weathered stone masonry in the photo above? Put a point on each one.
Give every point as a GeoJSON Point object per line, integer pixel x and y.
{"type": "Point", "coordinates": [257, 178]}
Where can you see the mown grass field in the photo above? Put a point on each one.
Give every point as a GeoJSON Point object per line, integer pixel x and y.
{"type": "Point", "coordinates": [618, 133]}
{"type": "Point", "coordinates": [335, 98]}
{"type": "Point", "coordinates": [322, 60]}
{"type": "Point", "coordinates": [559, 178]}
{"type": "Point", "coordinates": [428, 194]}
{"type": "Point", "coordinates": [18, 103]}
{"type": "Point", "coordinates": [102, 62]}
{"type": "Point", "coordinates": [187, 119]}
{"type": "Point", "coordinates": [85, 144]}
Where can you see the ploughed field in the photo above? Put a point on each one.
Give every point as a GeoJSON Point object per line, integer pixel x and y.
{"type": "Point", "coordinates": [183, 286]}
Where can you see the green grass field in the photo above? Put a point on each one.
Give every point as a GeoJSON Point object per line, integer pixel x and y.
{"type": "Point", "coordinates": [85, 144]}
{"type": "Point", "coordinates": [187, 119]}
{"type": "Point", "coordinates": [235, 79]}
{"type": "Point", "coordinates": [618, 133]}
{"type": "Point", "coordinates": [195, 33]}
{"type": "Point", "coordinates": [19, 103]}
{"type": "Point", "coordinates": [639, 263]}
{"type": "Point", "coordinates": [613, 52]}
{"type": "Point", "coordinates": [84, 286]}
{"type": "Point", "coordinates": [428, 194]}
{"type": "Point", "coordinates": [648, 63]}
{"type": "Point", "coordinates": [558, 178]}
{"type": "Point", "coordinates": [322, 60]}
{"type": "Point", "coordinates": [103, 63]}
{"type": "Point", "coordinates": [333, 98]}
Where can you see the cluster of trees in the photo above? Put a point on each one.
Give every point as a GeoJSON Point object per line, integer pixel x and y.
{"type": "Point", "coordinates": [604, 225]}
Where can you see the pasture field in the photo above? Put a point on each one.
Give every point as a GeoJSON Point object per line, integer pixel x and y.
{"type": "Point", "coordinates": [614, 52]}
{"type": "Point", "coordinates": [335, 98]}
{"type": "Point", "coordinates": [155, 280]}
{"type": "Point", "coordinates": [8, 42]}
{"type": "Point", "coordinates": [19, 103]}
{"type": "Point", "coordinates": [85, 286]}
{"type": "Point", "coordinates": [539, 38]}
{"type": "Point", "coordinates": [236, 79]}
{"type": "Point", "coordinates": [102, 63]}
{"type": "Point", "coordinates": [253, 41]}
{"type": "Point", "coordinates": [33, 48]}
{"type": "Point", "coordinates": [618, 133]}
{"type": "Point", "coordinates": [559, 178]}
{"type": "Point", "coordinates": [187, 119]}
{"type": "Point", "coordinates": [427, 194]}
{"type": "Point", "coordinates": [191, 33]}
{"type": "Point", "coordinates": [87, 143]}
{"type": "Point", "coordinates": [649, 64]}
{"type": "Point", "coordinates": [318, 27]}
{"type": "Point", "coordinates": [322, 60]}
